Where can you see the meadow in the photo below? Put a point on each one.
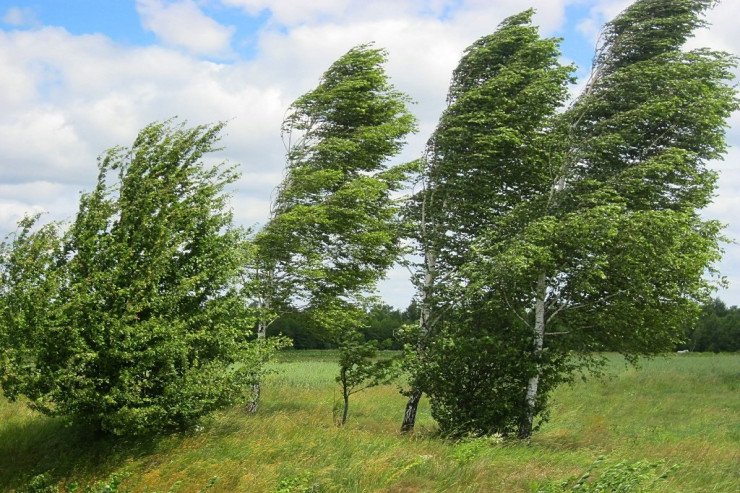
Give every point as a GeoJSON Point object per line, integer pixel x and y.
{"type": "Point", "coordinates": [677, 416]}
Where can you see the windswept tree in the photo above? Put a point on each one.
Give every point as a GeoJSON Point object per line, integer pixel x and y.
{"type": "Point", "coordinates": [133, 320]}
{"type": "Point", "coordinates": [606, 250]}
{"type": "Point", "coordinates": [489, 153]}
{"type": "Point", "coordinates": [334, 231]}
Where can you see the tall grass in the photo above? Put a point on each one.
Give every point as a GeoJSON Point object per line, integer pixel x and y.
{"type": "Point", "coordinates": [680, 410]}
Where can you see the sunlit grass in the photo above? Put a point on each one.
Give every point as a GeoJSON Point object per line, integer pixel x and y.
{"type": "Point", "coordinates": [680, 410]}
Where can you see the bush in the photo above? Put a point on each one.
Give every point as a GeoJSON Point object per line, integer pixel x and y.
{"type": "Point", "coordinates": [637, 477]}
{"type": "Point", "coordinates": [133, 320]}
{"type": "Point", "coordinates": [475, 372]}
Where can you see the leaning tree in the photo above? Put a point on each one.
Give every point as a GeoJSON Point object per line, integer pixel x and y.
{"type": "Point", "coordinates": [133, 319]}
{"type": "Point", "coordinates": [334, 230]}
{"type": "Point", "coordinates": [603, 246]}
{"type": "Point", "coordinates": [484, 158]}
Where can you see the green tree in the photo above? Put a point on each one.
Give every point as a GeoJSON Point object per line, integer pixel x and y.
{"type": "Point", "coordinates": [333, 230]}
{"type": "Point", "coordinates": [609, 251]}
{"type": "Point", "coordinates": [32, 273]}
{"type": "Point", "coordinates": [300, 328]}
{"type": "Point", "coordinates": [147, 327]}
{"type": "Point", "coordinates": [381, 324]}
{"type": "Point", "coordinates": [717, 328]}
{"type": "Point", "coordinates": [484, 158]}
{"type": "Point", "coordinates": [360, 368]}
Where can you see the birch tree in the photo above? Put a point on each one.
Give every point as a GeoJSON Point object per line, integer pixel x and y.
{"type": "Point", "coordinates": [611, 254]}
{"type": "Point", "coordinates": [486, 156]}
{"type": "Point", "coordinates": [334, 229]}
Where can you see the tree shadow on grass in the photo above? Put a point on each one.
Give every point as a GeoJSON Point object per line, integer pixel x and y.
{"type": "Point", "coordinates": [63, 453]}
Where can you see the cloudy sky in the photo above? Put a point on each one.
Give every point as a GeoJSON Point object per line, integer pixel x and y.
{"type": "Point", "coordinates": [80, 76]}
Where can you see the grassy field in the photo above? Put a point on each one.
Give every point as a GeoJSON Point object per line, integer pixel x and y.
{"type": "Point", "coordinates": [679, 410]}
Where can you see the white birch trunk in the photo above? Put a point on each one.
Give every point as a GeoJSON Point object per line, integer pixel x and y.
{"type": "Point", "coordinates": [430, 260]}
{"type": "Point", "coordinates": [539, 337]}
{"type": "Point", "coordinates": [262, 307]}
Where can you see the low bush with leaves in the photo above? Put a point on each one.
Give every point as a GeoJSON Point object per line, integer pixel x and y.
{"type": "Point", "coordinates": [637, 477]}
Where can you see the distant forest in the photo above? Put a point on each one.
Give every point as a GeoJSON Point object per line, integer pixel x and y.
{"type": "Point", "coordinates": [381, 324]}
{"type": "Point", "coordinates": [716, 330]}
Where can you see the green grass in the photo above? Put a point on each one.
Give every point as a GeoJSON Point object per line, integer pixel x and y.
{"type": "Point", "coordinates": [681, 410]}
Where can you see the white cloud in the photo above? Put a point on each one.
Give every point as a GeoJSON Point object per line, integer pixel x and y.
{"type": "Point", "coordinates": [75, 96]}
{"type": "Point", "coordinates": [468, 15]}
{"type": "Point", "coordinates": [50, 144]}
{"type": "Point", "coordinates": [18, 200]}
{"type": "Point", "coordinates": [600, 12]}
{"type": "Point", "coordinates": [183, 24]}
{"type": "Point", "coordinates": [11, 212]}
{"type": "Point", "coordinates": [21, 17]}
{"type": "Point", "coordinates": [396, 289]}
{"type": "Point", "coordinates": [722, 32]}
{"type": "Point", "coordinates": [730, 294]}
{"type": "Point", "coordinates": [16, 79]}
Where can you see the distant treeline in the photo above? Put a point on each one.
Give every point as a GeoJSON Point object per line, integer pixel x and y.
{"type": "Point", "coordinates": [381, 325]}
{"type": "Point", "coordinates": [716, 330]}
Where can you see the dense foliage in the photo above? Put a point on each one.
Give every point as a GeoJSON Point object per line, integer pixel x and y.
{"type": "Point", "coordinates": [485, 157]}
{"type": "Point", "coordinates": [380, 323]}
{"type": "Point", "coordinates": [717, 329]}
{"type": "Point", "coordinates": [132, 319]}
{"type": "Point", "coordinates": [544, 234]}
{"type": "Point", "coordinates": [589, 235]}
{"type": "Point", "coordinates": [333, 231]}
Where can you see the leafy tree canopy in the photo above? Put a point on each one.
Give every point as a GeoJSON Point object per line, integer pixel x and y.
{"type": "Point", "coordinates": [132, 319]}
{"type": "Point", "coordinates": [333, 231]}
{"type": "Point", "coordinates": [589, 235]}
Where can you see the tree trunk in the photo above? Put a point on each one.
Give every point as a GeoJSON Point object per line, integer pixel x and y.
{"type": "Point", "coordinates": [252, 406]}
{"type": "Point", "coordinates": [261, 335]}
{"type": "Point", "coordinates": [430, 260]}
{"type": "Point", "coordinates": [525, 430]}
{"type": "Point", "coordinates": [346, 408]}
{"type": "Point", "coordinates": [409, 417]}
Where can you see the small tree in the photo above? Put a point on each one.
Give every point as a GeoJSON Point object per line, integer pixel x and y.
{"type": "Point", "coordinates": [147, 328]}
{"type": "Point", "coordinates": [359, 368]}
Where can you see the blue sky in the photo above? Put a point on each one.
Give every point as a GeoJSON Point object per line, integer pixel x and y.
{"type": "Point", "coordinates": [117, 20]}
{"type": "Point", "coordinates": [80, 76]}
{"type": "Point", "coordinates": [121, 21]}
